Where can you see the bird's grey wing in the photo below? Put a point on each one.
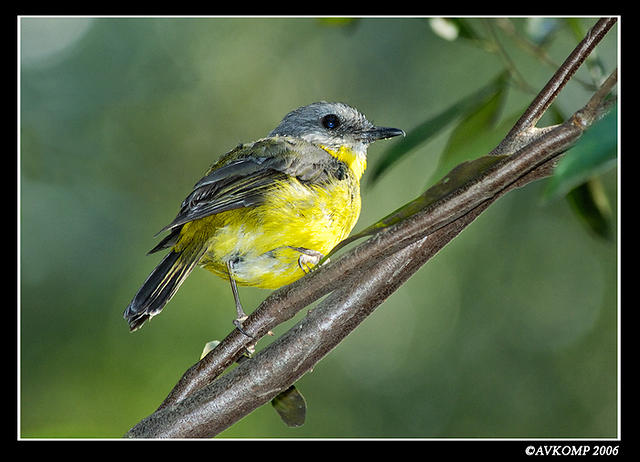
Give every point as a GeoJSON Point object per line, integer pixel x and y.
{"type": "Point", "coordinates": [243, 176]}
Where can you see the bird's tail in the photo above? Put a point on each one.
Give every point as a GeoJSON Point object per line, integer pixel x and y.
{"type": "Point", "coordinates": [160, 286]}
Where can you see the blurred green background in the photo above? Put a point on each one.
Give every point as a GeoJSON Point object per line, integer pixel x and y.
{"type": "Point", "coordinates": [510, 331]}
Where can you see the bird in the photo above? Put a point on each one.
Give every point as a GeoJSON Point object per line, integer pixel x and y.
{"type": "Point", "coordinates": [268, 211]}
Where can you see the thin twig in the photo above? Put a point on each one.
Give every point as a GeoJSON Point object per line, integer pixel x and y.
{"type": "Point", "coordinates": [548, 94]}
{"type": "Point", "coordinates": [536, 50]}
{"type": "Point", "coordinates": [516, 75]}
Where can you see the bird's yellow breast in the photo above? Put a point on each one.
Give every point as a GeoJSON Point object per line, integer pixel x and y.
{"type": "Point", "coordinates": [260, 241]}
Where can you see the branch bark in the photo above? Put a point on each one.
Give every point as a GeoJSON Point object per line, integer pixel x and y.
{"type": "Point", "coordinates": [203, 404]}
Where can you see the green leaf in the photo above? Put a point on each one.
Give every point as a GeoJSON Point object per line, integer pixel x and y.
{"type": "Point", "coordinates": [465, 30]}
{"type": "Point", "coordinates": [433, 126]}
{"type": "Point", "coordinates": [338, 22]}
{"type": "Point", "coordinates": [591, 205]}
{"type": "Point", "coordinates": [476, 133]}
{"type": "Point", "coordinates": [594, 153]}
{"type": "Point", "coordinates": [291, 407]}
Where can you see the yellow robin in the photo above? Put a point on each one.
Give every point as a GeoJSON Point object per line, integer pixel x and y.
{"type": "Point", "coordinates": [268, 211]}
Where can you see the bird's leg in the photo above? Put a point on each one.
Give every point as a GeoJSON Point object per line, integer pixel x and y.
{"type": "Point", "coordinates": [308, 258]}
{"type": "Point", "coordinates": [241, 315]}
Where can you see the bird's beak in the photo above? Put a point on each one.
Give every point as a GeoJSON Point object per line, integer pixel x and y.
{"type": "Point", "coordinates": [381, 133]}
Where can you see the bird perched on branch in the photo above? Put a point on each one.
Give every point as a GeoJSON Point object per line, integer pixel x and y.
{"type": "Point", "coordinates": [267, 211]}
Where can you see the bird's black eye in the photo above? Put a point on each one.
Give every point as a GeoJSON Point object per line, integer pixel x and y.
{"type": "Point", "coordinates": [330, 121]}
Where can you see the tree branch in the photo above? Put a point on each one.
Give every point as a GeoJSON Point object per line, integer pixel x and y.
{"type": "Point", "coordinates": [564, 73]}
{"type": "Point", "coordinates": [203, 404]}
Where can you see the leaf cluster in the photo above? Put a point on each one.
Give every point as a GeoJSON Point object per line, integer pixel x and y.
{"type": "Point", "coordinates": [477, 120]}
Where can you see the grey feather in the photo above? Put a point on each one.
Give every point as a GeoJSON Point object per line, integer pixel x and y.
{"type": "Point", "coordinates": [244, 175]}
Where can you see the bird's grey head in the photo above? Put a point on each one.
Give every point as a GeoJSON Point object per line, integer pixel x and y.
{"type": "Point", "coordinates": [332, 125]}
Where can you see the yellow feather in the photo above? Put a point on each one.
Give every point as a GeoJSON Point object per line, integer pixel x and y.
{"type": "Point", "coordinates": [261, 238]}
